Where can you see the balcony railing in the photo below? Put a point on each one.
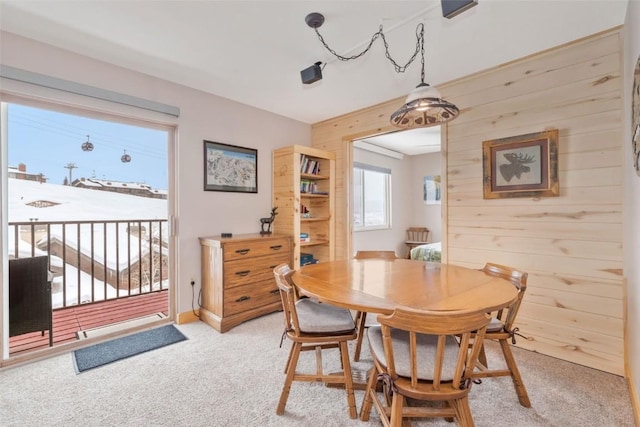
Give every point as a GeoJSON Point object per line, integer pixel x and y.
{"type": "Point", "coordinates": [92, 261]}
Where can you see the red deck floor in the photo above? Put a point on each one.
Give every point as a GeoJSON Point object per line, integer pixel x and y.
{"type": "Point", "coordinates": [68, 321]}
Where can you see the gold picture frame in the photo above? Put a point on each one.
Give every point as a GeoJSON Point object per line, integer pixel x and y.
{"type": "Point", "coordinates": [521, 166]}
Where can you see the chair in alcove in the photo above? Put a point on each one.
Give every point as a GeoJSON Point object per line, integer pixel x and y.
{"type": "Point", "coordinates": [416, 236]}
{"type": "Point", "coordinates": [361, 316]}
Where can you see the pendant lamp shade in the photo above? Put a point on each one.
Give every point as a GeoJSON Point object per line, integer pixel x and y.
{"type": "Point", "coordinates": [424, 107]}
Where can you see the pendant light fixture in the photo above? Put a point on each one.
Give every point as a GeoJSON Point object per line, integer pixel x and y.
{"type": "Point", "coordinates": [424, 106]}
{"type": "Point", "coordinates": [87, 145]}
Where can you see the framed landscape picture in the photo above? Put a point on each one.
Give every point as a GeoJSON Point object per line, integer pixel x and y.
{"type": "Point", "coordinates": [521, 166]}
{"type": "Point", "coordinates": [230, 168]}
{"type": "Point", "coordinates": [431, 190]}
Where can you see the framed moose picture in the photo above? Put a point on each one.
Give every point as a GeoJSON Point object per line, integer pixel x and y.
{"type": "Point", "coordinates": [521, 166]}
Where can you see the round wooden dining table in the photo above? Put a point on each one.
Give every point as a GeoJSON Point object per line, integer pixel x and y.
{"type": "Point", "coordinates": [380, 286]}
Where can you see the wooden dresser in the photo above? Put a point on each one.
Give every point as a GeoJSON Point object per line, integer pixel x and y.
{"type": "Point", "coordinates": [237, 277]}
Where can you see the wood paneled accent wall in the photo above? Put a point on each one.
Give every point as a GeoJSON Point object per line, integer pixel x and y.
{"type": "Point", "coordinates": [571, 245]}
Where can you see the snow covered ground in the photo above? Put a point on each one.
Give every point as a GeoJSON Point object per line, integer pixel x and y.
{"type": "Point", "coordinates": [66, 203]}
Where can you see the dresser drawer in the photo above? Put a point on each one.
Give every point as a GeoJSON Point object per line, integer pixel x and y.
{"type": "Point", "coordinates": [243, 298]}
{"type": "Point", "coordinates": [256, 248]}
{"type": "Point", "coordinates": [251, 270]}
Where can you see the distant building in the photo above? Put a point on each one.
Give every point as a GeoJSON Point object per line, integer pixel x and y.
{"type": "Point", "coordinates": [132, 188]}
{"type": "Point", "coordinates": [141, 264]}
{"type": "Point", "coordinates": [21, 173]}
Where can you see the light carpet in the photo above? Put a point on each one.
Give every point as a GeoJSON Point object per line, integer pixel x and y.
{"type": "Point", "coordinates": [235, 379]}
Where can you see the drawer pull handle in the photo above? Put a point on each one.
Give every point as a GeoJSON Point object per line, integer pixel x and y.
{"type": "Point", "coordinates": [243, 251]}
{"type": "Point", "coordinates": [243, 272]}
{"type": "Point", "coordinates": [243, 298]}
{"type": "Point", "coordinates": [275, 291]}
{"type": "Point", "coordinates": [276, 247]}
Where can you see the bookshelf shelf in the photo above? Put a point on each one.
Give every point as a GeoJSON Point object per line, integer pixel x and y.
{"type": "Point", "coordinates": [312, 219]}
{"type": "Point", "coordinates": [313, 195]}
{"type": "Point", "coordinates": [314, 243]}
{"type": "Point", "coordinates": [310, 176]}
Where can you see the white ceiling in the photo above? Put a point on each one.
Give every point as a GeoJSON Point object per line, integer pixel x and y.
{"type": "Point", "coordinates": [409, 142]}
{"type": "Point", "coordinates": [253, 51]}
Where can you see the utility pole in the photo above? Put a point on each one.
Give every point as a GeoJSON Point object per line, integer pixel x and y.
{"type": "Point", "coordinates": [71, 167]}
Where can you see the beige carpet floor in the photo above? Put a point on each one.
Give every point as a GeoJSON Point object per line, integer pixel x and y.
{"type": "Point", "coordinates": [234, 379]}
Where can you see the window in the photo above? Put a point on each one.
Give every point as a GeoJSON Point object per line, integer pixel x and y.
{"type": "Point", "coordinates": [371, 197]}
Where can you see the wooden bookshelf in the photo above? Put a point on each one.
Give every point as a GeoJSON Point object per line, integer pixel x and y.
{"type": "Point", "coordinates": [294, 189]}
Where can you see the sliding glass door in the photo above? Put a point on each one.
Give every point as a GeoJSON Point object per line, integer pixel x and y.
{"type": "Point", "coordinates": [88, 193]}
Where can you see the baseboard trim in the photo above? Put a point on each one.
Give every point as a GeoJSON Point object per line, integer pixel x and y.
{"type": "Point", "coordinates": [188, 317]}
{"type": "Point", "coordinates": [635, 398]}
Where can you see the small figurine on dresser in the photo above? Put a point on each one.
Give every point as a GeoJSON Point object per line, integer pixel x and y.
{"type": "Point", "coordinates": [267, 221]}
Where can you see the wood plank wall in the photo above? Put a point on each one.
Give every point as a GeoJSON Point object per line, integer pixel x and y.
{"type": "Point", "coordinates": [571, 245]}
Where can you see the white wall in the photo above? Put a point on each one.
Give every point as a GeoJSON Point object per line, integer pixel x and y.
{"type": "Point", "coordinates": [392, 239]}
{"type": "Point", "coordinates": [631, 219]}
{"type": "Point", "coordinates": [425, 215]}
{"type": "Point", "coordinates": [203, 116]}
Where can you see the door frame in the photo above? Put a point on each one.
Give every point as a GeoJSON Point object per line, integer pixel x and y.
{"type": "Point", "coordinates": [67, 103]}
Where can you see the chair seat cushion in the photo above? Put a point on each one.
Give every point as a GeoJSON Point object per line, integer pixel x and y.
{"type": "Point", "coordinates": [495, 325]}
{"type": "Point", "coordinates": [426, 351]}
{"type": "Point", "coordinates": [319, 318]}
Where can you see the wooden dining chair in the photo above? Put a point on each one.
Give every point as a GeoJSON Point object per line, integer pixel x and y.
{"type": "Point", "coordinates": [313, 326]}
{"type": "Point", "coordinates": [501, 329]}
{"type": "Point", "coordinates": [418, 358]}
{"type": "Point", "coordinates": [361, 316]}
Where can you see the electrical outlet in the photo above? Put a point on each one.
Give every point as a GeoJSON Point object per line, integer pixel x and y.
{"type": "Point", "coordinates": [192, 280]}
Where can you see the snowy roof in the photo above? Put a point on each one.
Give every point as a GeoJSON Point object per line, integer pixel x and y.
{"type": "Point", "coordinates": [77, 204]}
{"type": "Point", "coordinates": [14, 171]}
{"type": "Point", "coordinates": [111, 183]}
{"type": "Point", "coordinates": [87, 183]}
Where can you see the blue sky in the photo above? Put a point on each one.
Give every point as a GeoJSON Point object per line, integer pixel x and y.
{"type": "Point", "coordinates": [47, 141]}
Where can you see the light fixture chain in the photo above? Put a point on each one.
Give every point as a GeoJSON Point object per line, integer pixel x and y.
{"type": "Point", "coordinates": [348, 58]}
{"type": "Point", "coordinates": [421, 41]}
{"type": "Point", "coordinates": [380, 33]}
